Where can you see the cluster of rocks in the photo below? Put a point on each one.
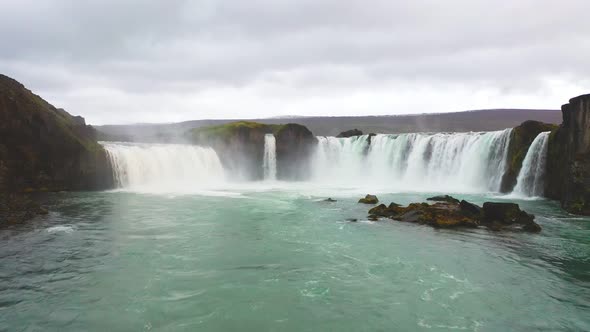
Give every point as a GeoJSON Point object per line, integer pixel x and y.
{"type": "Point", "coordinates": [16, 208]}
{"type": "Point", "coordinates": [449, 212]}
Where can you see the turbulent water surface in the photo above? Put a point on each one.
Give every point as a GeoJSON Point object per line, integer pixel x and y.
{"type": "Point", "coordinates": [279, 259]}
{"type": "Point", "coordinates": [179, 248]}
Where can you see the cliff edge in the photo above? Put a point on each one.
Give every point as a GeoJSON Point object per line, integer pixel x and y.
{"type": "Point", "coordinates": [568, 159]}
{"type": "Point", "coordinates": [43, 148]}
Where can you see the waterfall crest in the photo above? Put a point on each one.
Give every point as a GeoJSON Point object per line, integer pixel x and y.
{"type": "Point", "coordinates": [530, 178]}
{"type": "Point", "coordinates": [164, 167]}
{"type": "Point", "coordinates": [467, 162]}
{"type": "Point", "coordinates": [270, 157]}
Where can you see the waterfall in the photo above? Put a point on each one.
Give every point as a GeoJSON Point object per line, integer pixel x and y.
{"type": "Point", "coordinates": [270, 157]}
{"type": "Point", "coordinates": [467, 162]}
{"type": "Point", "coordinates": [530, 179]}
{"type": "Point", "coordinates": [164, 167]}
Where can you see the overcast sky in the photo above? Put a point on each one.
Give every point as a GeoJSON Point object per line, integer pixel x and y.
{"type": "Point", "coordinates": [115, 61]}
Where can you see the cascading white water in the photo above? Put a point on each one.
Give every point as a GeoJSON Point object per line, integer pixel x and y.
{"type": "Point", "coordinates": [468, 162]}
{"type": "Point", "coordinates": [530, 179]}
{"type": "Point", "coordinates": [164, 167]}
{"type": "Point", "coordinates": [270, 157]}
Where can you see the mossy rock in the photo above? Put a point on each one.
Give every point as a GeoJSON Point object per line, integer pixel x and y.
{"type": "Point", "coordinates": [46, 147]}
{"type": "Point", "coordinates": [521, 139]}
{"type": "Point", "coordinates": [453, 214]}
{"type": "Point", "coordinates": [369, 199]}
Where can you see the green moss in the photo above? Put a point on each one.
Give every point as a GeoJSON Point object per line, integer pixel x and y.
{"type": "Point", "coordinates": [225, 131]}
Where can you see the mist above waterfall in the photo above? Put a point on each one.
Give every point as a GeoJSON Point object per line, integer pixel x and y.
{"type": "Point", "coordinates": [465, 162]}
{"type": "Point", "coordinates": [164, 167]}
{"type": "Point", "coordinates": [433, 162]}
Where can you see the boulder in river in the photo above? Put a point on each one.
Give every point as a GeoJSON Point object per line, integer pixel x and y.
{"type": "Point", "coordinates": [369, 199]}
{"type": "Point", "coordinates": [500, 215]}
{"type": "Point", "coordinates": [454, 214]}
{"type": "Point", "coordinates": [443, 198]}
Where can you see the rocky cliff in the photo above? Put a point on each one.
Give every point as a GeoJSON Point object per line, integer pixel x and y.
{"type": "Point", "coordinates": [568, 159]}
{"type": "Point", "coordinates": [295, 145]}
{"type": "Point", "coordinates": [521, 139]}
{"type": "Point", "coordinates": [43, 148]}
{"type": "Point", "coordinates": [240, 146]}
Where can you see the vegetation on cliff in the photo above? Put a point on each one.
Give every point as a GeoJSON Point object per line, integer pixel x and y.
{"type": "Point", "coordinates": [240, 146]}
{"type": "Point", "coordinates": [44, 148]}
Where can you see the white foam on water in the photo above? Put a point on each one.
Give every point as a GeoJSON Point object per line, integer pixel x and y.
{"type": "Point", "coordinates": [60, 229]}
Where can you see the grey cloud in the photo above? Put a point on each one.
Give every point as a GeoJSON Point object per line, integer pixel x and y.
{"type": "Point", "coordinates": [148, 47]}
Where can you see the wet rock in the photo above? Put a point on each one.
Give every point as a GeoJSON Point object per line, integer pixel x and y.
{"type": "Point", "coordinates": [373, 218]}
{"type": "Point", "coordinates": [369, 199]}
{"type": "Point", "coordinates": [379, 210]}
{"type": "Point", "coordinates": [350, 133]}
{"type": "Point", "coordinates": [295, 147]}
{"type": "Point", "coordinates": [568, 158]}
{"type": "Point", "coordinates": [521, 138]}
{"type": "Point", "coordinates": [386, 211]}
{"type": "Point", "coordinates": [443, 198]}
{"type": "Point", "coordinates": [453, 214]}
{"type": "Point", "coordinates": [352, 220]}
{"type": "Point", "coordinates": [329, 200]}
{"type": "Point", "coordinates": [508, 215]}
{"type": "Point", "coordinates": [17, 208]}
{"type": "Point", "coordinates": [43, 148]}
{"type": "Point", "coordinates": [470, 209]}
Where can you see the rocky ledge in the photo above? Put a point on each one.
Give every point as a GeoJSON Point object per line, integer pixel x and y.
{"type": "Point", "coordinates": [448, 212]}
{"type": "Point", "coordinates": [43, 148]}
{"type": "Point", "coordinates": [568, 158]}
{"type": "Point", "coordinates": [240, 146]}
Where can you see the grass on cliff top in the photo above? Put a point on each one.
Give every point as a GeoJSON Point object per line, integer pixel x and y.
{"type": "Point", "coordinates": [226, 130]}
{"type": "Point", "coordinates": [30, 103]}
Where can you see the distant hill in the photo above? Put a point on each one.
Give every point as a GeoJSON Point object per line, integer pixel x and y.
{"type": "Point", "coordinates": [479, 120]}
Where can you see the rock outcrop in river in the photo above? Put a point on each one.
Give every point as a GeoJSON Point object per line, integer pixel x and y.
{"type": "Point", "coordinates": [568, 159]}
{"type": "Point", "coordinates": [240, 146]}
{"type": "Point", "coordinates": [295, 145]}
{"type": "Point", "coordinates": [448, 212]}
{"type": "Point", "coordinates": [521, 139]}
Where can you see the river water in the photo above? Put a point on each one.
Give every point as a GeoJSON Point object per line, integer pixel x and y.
{"type": "Point", "coordinates": [273, 257]}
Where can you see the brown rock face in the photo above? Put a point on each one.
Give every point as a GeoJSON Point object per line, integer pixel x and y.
{"type": "Point", "coordinates": [295, 146]}
{"type": "Point", "coordinates": [568, 160]}
{"type": "Point", "coordinates": [520, 140]}
{"type": "Point", "coordinates": [43, 148]}
{"type": "Point", "coordinates": [451, 213]}
{"type": "Point", "coordinates": [369, 199]}
{"type": "Point", "coordinates": [240, 146]}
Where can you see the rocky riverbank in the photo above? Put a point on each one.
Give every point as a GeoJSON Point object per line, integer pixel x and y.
{"type": "Point", "coordinates": [43, 148]}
